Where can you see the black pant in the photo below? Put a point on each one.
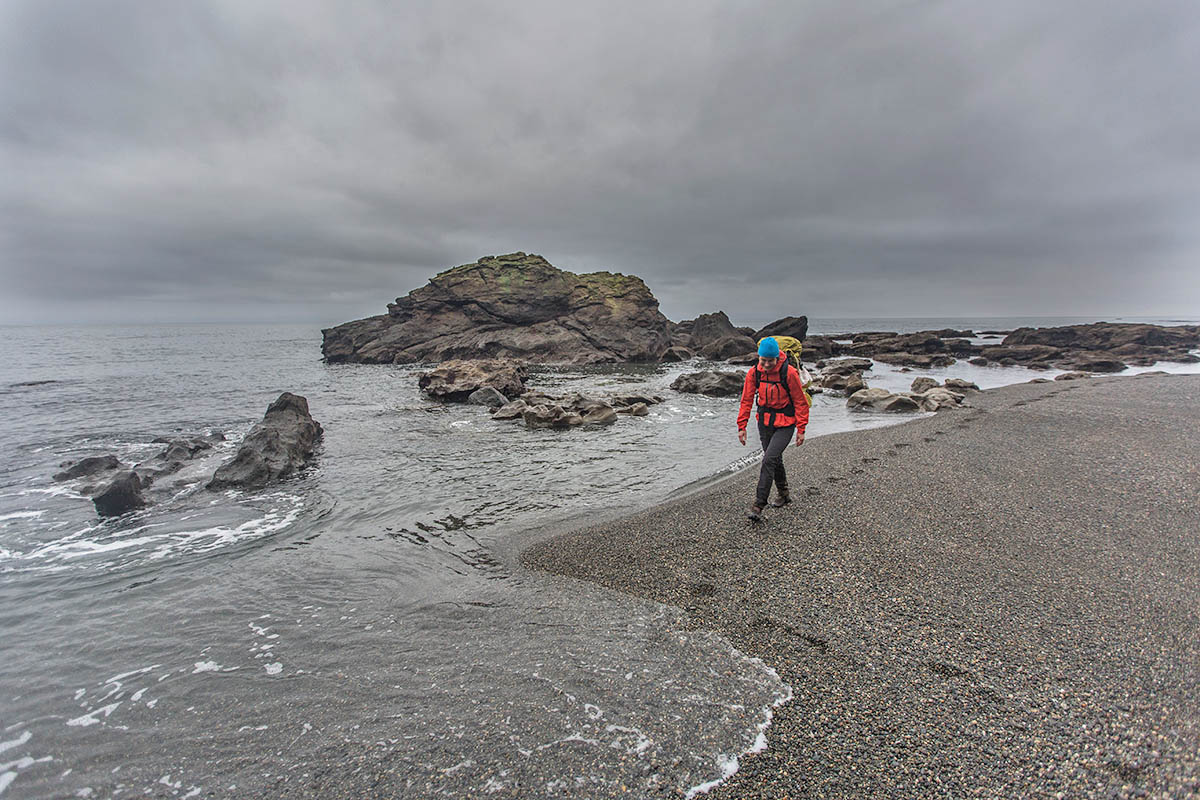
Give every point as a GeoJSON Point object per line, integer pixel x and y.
{"type": "Point", "coordinates": [774, 442]}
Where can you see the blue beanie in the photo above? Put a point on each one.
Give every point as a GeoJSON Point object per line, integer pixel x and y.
{"type": "Point", "coordinates": [768, 348]}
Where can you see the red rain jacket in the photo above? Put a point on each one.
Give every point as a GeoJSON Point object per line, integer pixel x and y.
{"type": "Point", "coordinates": [771, 394]}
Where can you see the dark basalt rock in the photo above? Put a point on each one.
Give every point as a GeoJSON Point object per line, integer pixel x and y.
{"type": "Point", "coordinates": [711, 384]}
{"type": "Point", "coordinates": [514, 305]}
{"type": "Point", "coordinates": [88, 467]}
{"type": "Point", "coordinates": [677, 353]}
{"type": "Point", "coordinates": [122, 495]}
{"type": "Point", "coordinates": [796, 327]}
{"type": "Point", "coordinates": [274, 448]}
{"type": "Point", "coordinates": [729, 346]}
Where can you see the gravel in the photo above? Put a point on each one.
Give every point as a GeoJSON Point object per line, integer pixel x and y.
{"type": "Point", "coordinates": [998, 601]}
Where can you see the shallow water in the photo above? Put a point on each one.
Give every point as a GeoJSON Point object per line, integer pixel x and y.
{"type": "Point", "coordinates": [357, 620]}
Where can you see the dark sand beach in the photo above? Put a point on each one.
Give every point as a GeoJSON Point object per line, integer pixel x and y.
{"type": "Point", "coordinates": [1002, 601]}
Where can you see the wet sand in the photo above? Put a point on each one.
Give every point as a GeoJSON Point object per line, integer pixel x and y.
{"type": "Point", "coordinates": [1001, 601]}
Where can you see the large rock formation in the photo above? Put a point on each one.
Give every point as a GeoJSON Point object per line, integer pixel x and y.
{"type": "Point", "coordinates": [515, 305]}
{"type": "Point", "coordinates": [274, 448]}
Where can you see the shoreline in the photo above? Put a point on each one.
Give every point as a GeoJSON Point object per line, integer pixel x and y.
{"type": "Point", "coordinates": [996, 601]}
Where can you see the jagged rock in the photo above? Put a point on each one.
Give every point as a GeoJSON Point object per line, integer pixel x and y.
{"type": "Point", "coordinates": [174, 456]}
{"type": "Point", "coordinates": [457, 380]}
{"type": "Point", "coordinates": [923, 384]}
{"type": "Point", "coordinates": [635, 410]}
{"type": "Point", "coordinates": [961, 385]}
{"type": "Point", "coordinates": [550, 416]}
{"type": "Point", "coordinates": [712, 384]}
{"type": "Point", "coordinates": [88, 467]}
{"type": "Point", "coordinates": [729, 346]}
{"type": "Point", "coordinates": [677, 353]}
{"type": "Point", "coordinates": [123, 494]}
{"type": "Point", "coordinates": [796, 327]}
{"type": "Point", "coordinates": [487, 396]}
{"type": "Point", "coordinates": [1072, 376]}
{"type": "Point", "coordinates": [978, 361]}
{"type": "Point", "coordinates": [744, 360]}
{"type": "Point", "coordinates": [510, 410]}
{"type": "Point", "coordinates": [274, 448]}
{"type": "Point", "coordinates": [881, 400]}
{"type": "Point", "coordinates": [516, 306]}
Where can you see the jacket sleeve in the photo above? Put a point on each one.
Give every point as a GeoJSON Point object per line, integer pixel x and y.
{"type": "Point", "coordinates": [747, 400]}
{"type": "Point", "coordinates": [796, 389]}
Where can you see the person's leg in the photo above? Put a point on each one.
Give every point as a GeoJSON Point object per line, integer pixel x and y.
{"type": "Point", "coordinates": [774, 441]}
{"type": "Point", "coordinates": [781, 481]}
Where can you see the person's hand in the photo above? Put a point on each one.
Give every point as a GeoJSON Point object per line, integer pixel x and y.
{"type": "Point", "coordinates": [742, 436]}
{"type": "Point", "coordinates": [799, 438]}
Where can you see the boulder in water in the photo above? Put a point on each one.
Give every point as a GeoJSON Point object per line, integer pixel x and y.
{"type": "Point", "coordinates": [487, 396]}
{"type": "Point", "coordinates": [123, 494]}
{"type": "Point", "coordinates": [274, 448]}
{"type": "Point", "coordinates": [711, 384]}
{"type": "Point", "coordinates": [90, 466]}
{"type": "Point", "coordinates": [455, 381]}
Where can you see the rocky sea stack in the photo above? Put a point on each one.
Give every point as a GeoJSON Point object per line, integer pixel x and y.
{"type": "Point", "coordinates": [515, 306]}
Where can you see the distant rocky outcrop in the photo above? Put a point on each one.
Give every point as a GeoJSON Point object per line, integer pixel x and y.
{"type": "Point", "coordinates": [274, 448]}
{"type": "Point", "coordinates": [516, 306]}
{"type": "Point", "coordinates": [457, 380]}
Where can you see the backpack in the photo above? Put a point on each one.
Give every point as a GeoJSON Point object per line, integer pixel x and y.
{"type": "Point", "coordinates": [790, 348]}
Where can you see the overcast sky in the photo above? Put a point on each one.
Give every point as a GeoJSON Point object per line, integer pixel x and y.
{"type": "Point", "coordinates": [309, 162]}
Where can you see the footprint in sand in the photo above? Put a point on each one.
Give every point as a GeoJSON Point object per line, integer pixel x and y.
{"type": "Point", "coordinates": [833, 479]}
{"type": "Point", "coordinates": [869, 460]}
{"type": "Point", "coordinates": [902, 444]}
{"type": "Point", "coordinates": [811, 491]}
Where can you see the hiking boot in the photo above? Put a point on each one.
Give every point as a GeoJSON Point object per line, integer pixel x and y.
{"type": "Point", "coordinates": [755, 513]}
{"type": "Point", "coordinates": [782, 498]}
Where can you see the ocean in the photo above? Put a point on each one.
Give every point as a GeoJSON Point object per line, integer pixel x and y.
{"type": "Point", "coordinates": [363, 625]}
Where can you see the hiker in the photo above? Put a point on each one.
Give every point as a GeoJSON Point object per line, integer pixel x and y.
{"type": "Point", "coordinates": [775, 387]}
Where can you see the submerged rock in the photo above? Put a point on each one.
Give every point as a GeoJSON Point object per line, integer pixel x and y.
{"type": "Point", "coordinates": [274, 448]}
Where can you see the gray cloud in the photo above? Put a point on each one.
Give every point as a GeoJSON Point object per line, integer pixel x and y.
{"type": "Point", "coordinates": [313, 161]}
